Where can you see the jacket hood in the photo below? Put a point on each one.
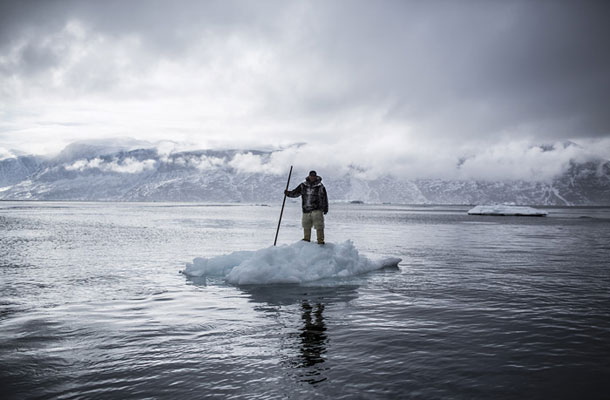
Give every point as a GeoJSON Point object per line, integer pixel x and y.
{"type": "Point", "coordinates": [314, 183]}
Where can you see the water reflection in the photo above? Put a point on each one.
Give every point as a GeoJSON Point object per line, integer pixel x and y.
{"type": "Point", "coordinates": [305, 337]}
{"type": "Point", "coordinates": [313, 341]}
{"type": "Point", "coordinates": [291, 294]}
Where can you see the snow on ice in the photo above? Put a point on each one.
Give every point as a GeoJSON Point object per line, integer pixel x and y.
{"type": "Point", "coordinates": [501, 209]}
{"type": "Point", "coordinates": [295, 263]}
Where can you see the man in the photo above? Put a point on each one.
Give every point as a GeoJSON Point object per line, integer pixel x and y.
{"type": "Point", "coordinates": [314, 204]}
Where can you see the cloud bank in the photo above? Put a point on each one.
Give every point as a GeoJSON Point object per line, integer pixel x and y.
{"type": "Point", "coordinates": [126, 166]}
{"type": "Point", "coordinates": [513, 161]}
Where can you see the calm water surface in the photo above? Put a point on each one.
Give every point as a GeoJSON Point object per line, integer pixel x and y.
{"type": "Point", "coordinates": [92, 305]}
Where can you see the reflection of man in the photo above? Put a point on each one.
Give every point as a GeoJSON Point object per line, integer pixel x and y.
{"type": "Point", "coordinates": [314, 204]}
{"type": "Point", "coordinates": [313, 336]}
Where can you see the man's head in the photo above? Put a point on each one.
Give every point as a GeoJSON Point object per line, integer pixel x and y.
{"type": "Point", "coordinates": [312, 176]}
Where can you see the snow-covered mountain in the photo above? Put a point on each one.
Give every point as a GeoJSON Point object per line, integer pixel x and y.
{"type": "Point", "coordinates": [15, 170]}
{"type": "Point", "coordinates": [103, 173]}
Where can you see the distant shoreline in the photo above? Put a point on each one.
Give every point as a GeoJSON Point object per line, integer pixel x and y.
{"type": "Point", "coordinates": [236, 203]}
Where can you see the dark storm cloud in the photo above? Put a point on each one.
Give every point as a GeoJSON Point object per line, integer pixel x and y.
{"type": "Point", "coordinates": [506, 64]}
{"type": "Point", "coordinates": [164, 25]}
{"type": "Point", "coordinates": [33, 32]}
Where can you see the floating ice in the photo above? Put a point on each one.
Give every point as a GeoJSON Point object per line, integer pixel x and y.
{"type": "Point", "coordinates": [501, 209]}
{"type": "Point", "coordinates": [295, 263]}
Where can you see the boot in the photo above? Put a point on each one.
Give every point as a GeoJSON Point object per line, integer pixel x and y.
{"type": "Point", "coordinates": [320, 235]}
{"type": "Point", "coordinates": [307, 235]}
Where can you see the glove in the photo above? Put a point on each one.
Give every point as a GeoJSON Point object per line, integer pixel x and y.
{"type": "Point", "coordinates": [285, 192]}
{"type": "Point", "coordinates": [325, 212]}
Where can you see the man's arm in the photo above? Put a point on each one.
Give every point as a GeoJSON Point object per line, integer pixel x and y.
{"type": "Point", "coordinates": [293, 193]}
{"type": "Point", "coordinates": [323, 199]}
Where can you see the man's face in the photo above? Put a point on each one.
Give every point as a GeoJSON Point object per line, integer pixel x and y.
{"type": "Point", "coordinates": [311, 178]}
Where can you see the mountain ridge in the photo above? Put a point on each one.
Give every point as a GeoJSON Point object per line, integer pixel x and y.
{"type": "Point", "coordinates": [145, 174]}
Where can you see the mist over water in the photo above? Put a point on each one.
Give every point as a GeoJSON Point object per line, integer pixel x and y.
{"type": "Point", "coordinates": [92, 305]}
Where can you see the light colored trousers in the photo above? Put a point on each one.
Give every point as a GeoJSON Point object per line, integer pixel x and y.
{"type": "Point", "coordinates": [314, 218]}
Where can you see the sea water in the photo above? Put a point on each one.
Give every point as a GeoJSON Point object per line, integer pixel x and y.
{"type": "Point", "coordinates": [93, 304]}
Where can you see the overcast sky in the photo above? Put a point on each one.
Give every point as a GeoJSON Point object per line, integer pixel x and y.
{"type": "Point", "coordinates": [412, 88]}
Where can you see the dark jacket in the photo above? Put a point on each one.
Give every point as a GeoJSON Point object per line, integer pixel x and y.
{"type": "Point", "coordinates": [313, 195]}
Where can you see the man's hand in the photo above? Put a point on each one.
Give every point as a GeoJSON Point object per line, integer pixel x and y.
{"type": "Point", "coordinates": [285, 192]}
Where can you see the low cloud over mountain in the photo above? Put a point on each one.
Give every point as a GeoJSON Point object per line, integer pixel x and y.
{"type": "Point", "coordinates": [87, 171]}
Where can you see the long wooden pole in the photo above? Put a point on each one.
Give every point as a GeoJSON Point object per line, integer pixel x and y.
{"type": "Point", "coordinates": [282, 212]}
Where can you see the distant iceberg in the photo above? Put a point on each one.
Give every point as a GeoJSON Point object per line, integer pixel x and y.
{"type": "Point", "coordinates": [501, 209]}
{"type": "Point", "coordinates": [295, 263]}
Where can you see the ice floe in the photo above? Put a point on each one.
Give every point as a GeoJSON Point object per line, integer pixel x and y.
{"type": "Point", "coordinates": [295, 263]}
{"type": "Point", "coordinates": [501, 209]}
